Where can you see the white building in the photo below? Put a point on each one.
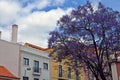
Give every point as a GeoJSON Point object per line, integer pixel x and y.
{"type": "Point", "coordinates": [25, 62]}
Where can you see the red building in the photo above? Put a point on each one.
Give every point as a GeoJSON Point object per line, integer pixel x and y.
{"type": "Point", "coordinates": [115, 66]}
{"type": "Point", "coordinates": [6, 75]}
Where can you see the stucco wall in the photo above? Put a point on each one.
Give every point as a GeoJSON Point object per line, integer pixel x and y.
{"type": "Point", "coordinates": [34, 54]}
{"type": "Point", "coordinates": [9, 56]}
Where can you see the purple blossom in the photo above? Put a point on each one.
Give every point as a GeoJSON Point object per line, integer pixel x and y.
{"type": "Point", "coordinates": [87, 37]}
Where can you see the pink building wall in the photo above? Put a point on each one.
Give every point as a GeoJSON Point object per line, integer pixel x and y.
{"type": "Point", "coordinates": [118, 65]}
{"type": "Point", "coordinates": [9, 56]}
{"type": "Point", "coordinates": [118, 70]}
{"type": "Point", "coordinates": [115, 66]}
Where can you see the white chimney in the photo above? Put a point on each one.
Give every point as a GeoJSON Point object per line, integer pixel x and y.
{"type": "Point", "coordinates": [14, 33]}
{"type": "Point", "coordinates": [0, 34]}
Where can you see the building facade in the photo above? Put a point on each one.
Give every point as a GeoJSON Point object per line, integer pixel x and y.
{"type": "Point", "coordinates": [24, 62]}
{"type": "Point", "coordinates": [34, 64]}
{"type": "Point", "coordinates": [115, 65]}
{"type": "Point", "coordinates": [60, 71]}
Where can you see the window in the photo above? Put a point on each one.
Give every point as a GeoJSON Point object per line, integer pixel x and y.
{"type": "Point", "coordinates": [36, 79]}
{"type": "Point", "coordinates": [25, 78]}
{"type": "Point", "coordinates": [69, 72]}
{"type": "Point", "coordinates": [59, 70]}
{"type": "Point", "coordinates": [26, 61]}
{"type": "Point", "coordinates": [36, 66]}
{"type": "Point", "coordinates": [76, 75]}
{"type": "Point", "coordinates": [45, 66]}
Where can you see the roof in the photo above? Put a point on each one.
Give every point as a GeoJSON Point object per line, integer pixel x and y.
{"type": "Point", "coordinates": [37, 47]}
{"type": "Point", "coordinates": [34, 46]}
{"type": "Point", "coordinates": [6, 73]}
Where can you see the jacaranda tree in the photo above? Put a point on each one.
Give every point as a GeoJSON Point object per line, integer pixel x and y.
{"type": "Point", "coordinates": [86, 38]}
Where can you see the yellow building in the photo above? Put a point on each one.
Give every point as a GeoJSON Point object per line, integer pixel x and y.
{"type": "Point", "coordinates": [60, 71]}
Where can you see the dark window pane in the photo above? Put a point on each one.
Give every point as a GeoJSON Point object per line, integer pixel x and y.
{"type": "Point", "coordinates": [60, 70]}
{"type": "Point", "coordinates": [36, 66]}
{"type": "Point", "coordinates": [36, 79]}
{"type": "Point", "coordinates": [25, 78]}
{"type": "Point", "coordinates": [45, 66]}
{"type": "Point", "coordinates": [26, 61]}
{"type": "Point", "coordinates": [69, 72]}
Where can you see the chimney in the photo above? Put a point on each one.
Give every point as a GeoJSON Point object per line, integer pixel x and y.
{"type": "Point", "coordinates": [14, 33]}
{"type": "Point", "coordinates": [0, 34]}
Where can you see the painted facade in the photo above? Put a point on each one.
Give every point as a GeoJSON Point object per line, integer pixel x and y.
{"type": "Point", "coordinates": [65, 73]}
{"type": "Point", "coordinates": [24, 62]}
{"type": "Point", "coordinates": [60, 71]}
{"type": "Point", "coordinates": [115, 65]}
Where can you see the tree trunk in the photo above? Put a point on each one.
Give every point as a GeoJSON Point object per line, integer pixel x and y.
{"type": "Point", "coordinates": [102, 75]}
{"type": "Point", "coordinates": [97, 78]}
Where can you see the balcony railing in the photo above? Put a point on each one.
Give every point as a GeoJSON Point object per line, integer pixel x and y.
{"type": "Point", "coordinates": [36, 71]}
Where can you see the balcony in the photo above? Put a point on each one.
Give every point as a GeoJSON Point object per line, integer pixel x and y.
{"type": "Point", "coordinates": [36, 71]}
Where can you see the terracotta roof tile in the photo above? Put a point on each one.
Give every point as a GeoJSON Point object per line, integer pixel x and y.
{"type": "Point", "coordinates": [37, 47]}
{"type": "Point", "coordinates": [34, 46]}
{"type": "Point", "coordinates": [4, 72]}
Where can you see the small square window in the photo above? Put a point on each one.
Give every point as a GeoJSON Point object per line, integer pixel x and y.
{"type": "Point", "coordinates": [25, 78]}
{"type": "Point", "coordinates": [45, 66]}
{"type": "Point", "coordinates": [36, 79]}
{"type": "Point", "coordinates": [26, 61]}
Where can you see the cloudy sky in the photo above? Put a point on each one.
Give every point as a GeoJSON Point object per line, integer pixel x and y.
{"type": "Point", "coordinates": [36, 18]}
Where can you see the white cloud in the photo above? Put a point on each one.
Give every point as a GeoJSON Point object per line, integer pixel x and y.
{"type": "Point", "coordinates": [33, 27]}
{"type": "Point", "coordinates": [5, 33]}
{"type": "Point", "coordinates": [95, 5]}
{"type": "Point", "coordinates": [8, 11]}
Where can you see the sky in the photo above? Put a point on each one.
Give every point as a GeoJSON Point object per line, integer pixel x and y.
{"type": "Point", "coordinates": [36, 18]}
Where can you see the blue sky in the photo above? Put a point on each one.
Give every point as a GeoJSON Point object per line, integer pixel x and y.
{"type": "Point", "coordinates": [36, 18]}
